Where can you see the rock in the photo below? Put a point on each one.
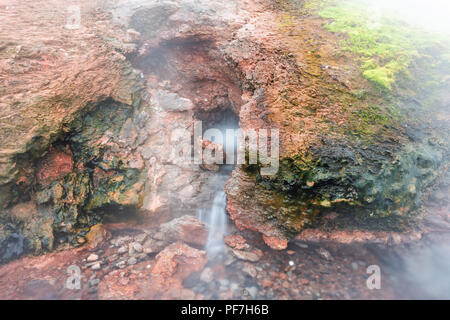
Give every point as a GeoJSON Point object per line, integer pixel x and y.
{"type": "Point", "coordinates": [135, 247]}
{"type": "Point", "coordinates": [178, 261]}
{"type": "Point", "coordinates": [154, 246]}
{"type": "Point", "coordinates": [55, 165]}
{"type": "Point", "coordinates": [113, 258]}
{"type": "Point", "coordinates": [96, 266]}
{"type": "Point", "coordinates": [252, 292]}
{"type": "Point", "coordinates": [122, 250]}
{"type": "Point", "coordinates": [276, 243]}
{"type": "Point", "coordinates": [122, 240]}
{"type": "Point", "coordinates": [121, 264]}
{"type": "Point", "coordinates": [93, 282]}
{"type": "Point", "coordinates": [92, 257]}
{"type": "Point", "coordinates": [207, 275]}
{"type": "Point", "coordinates": [132, 261]}
{"type": "Point", "coordinates": [252, 256]}
{"type": "Point", "coordinates": [140, 238]}
{"type": "Point", "coordinates": [169, 101]}
{"type": "Point", "coordinates": [324, 254]}
{"type": "Point", "coordinates": [97, 236]}
{"type": "Point", "coordinates": [235, 241]}
{"type": "Point", "coordinates": [187, 229]}
{"type": "Point", "coordinates": [250, 270]}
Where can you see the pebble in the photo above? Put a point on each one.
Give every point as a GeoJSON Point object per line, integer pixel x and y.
{"type": "Point", "coordinates": [96, 266]}
{"type": "Point", "coordinates": [252, 291]}
{"type": "Point", "coordinates": [121, 264]}
{"type": "Point", "coordinates": [324, 254]}
{"type": "Point", "coordinates": [137, 247]}
{"type": "Point", "coordinates": [355, 266]}
{"type": "Point", "coordinates": [122, 250]}
{"type": "Point", "coordinates": [207, 275]}
{"type": "Point", "coordinates": [132, 261]}
{"type": "Point", "coordinates": [93, 257]}
{"type": "Point", "coordinates": [93, 282]}
{"type": "Point", "coordinates": [140, 238]}
{"type": "Point", "coordinates": [113, 258]}
{"type": "Point", "coordinates": [250, 270]}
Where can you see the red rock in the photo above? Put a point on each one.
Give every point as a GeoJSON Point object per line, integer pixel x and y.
{"type": "Point", "coordinates": [178, 261]}
{"type": "Point", "coordinates": [53, 166]}
{"type": "Point", "coordinates": [187, 229]}
{"type": "Point", "coordinates": [235, 241]}
{"type": "Point", "coordinates": [275, 242]}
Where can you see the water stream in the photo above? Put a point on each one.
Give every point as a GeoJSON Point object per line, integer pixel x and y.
{"type": "Point", "coordinates": [215, 216]}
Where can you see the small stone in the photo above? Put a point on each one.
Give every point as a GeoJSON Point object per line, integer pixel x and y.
{"type": "Point", "coordinates": [248, 255]}
{"type": "Point", "coordinates": [301, 245]}
{"type": "Point", "coordinates": [93, 282]}
{"type": "Point", "coordinates": [324, 254]}
{"type": "Point", "coordinates": [132, 261]}
{"type": "Point", "coordinates": [93, 257]}
{"type": "Point", "coordinates": [122, 250]}
{"type": "Point", "coordinates": [224, 283]}
{"type": "Point", "coordinates": [252, 291]}
{"type": "Point", "coordinates": [207, 275]}
{"type": "Point", "coordinates": [96, 266]}
{"type": "Point", "coordinates": [121, 264]}
{"type": "Point", "coordinates": [355, 266]}
{"type": "Point", "coordinates": [123, 240]}
{"type": "Point", "coordinates": [137, 247]}
{"type": "Point", "coordinates": [250, 270]}
{"type": "Point", "coordinates": [291, 263]}
{"type": "Point", "coordinates": [113, 258]}
{"type": "Point", "coordinates": [140, 238]}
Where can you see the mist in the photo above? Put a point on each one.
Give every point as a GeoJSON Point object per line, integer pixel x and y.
{"type": "Point", "coordinates": [430, 15]}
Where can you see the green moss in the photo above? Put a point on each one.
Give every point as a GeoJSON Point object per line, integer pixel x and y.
{"type": "Point", "coordinates": [386, 47]}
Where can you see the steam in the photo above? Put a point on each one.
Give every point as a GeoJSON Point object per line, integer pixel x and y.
{"type": "Point", "coordinates": [429, 15]}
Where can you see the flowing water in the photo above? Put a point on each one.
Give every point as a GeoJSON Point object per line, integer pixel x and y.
{"type": "Point", "coordinates": [215, 216]}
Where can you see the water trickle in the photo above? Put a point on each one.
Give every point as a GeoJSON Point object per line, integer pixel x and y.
{"type": "Point", "coordinates": [215, 216]}
{"type": "Point", "coordinates": [216, 219]}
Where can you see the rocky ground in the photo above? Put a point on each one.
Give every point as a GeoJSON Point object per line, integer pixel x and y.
{"type": "Point", "coordinates": [135, 261]}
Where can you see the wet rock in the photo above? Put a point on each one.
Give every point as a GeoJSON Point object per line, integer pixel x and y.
{"type": "Point", "coordinates": [55, 165]}
{"type": "Point", "coordinates": [132, 261]}
{"type": "Point", "coordinates": [135, 247]}
{"type": "Point", "coordinates": [252, 256]}
{"type": "Point", "coordinates": [92, 257]}
{"type": "Point", "coordinates": [154, 246]}
{"type": "Point", "coordinates": [11, 244]}
{"type": "Point", "coordinates": [235, 241]}
{"type": "Point", "coordinates": [187, 229]}
{"type": "Point", "coordinates": [122, 250]}
{"type": "Point", "coordinates": [324, 253]}
{"type": "Point", "coordinates": [96, 266]}
{"type": "Point", "coordinates": [207, 275]}
{"type": "Point", "coordinates": [97, 236]}
{"type": "Point", "coordinates": [275, 242]}
{"type": "Point", "coordinates": [171, 101]}
{"type": "Point", "coordinates": [178, 261]}
{"type": "Point", "coordinates": [140, 238]}
{"type": "Point", "coordinates": [121, 264]}
{"type": "Point", "coordinates": [250, 269]}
